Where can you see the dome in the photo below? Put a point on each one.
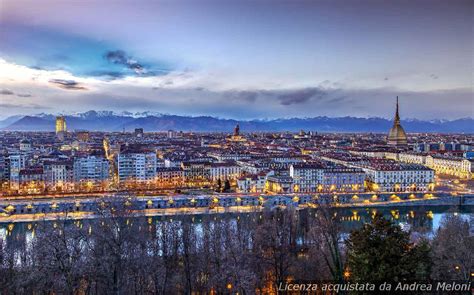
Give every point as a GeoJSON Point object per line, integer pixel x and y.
{"type": "Point", "coordinates": [397, 135]}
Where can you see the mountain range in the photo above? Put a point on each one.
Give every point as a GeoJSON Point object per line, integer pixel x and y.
{"type": "Point", "coordinates": [111, 121]}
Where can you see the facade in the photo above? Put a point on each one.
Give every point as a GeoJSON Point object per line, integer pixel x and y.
{"type": "Point", "coordinates": [196, 173]}
{"type": "Point", "coordinates": [136, 166]}
{"type": "Point", "coordinates": [15, 163]}
{"type": "Point", "coordinates": [169, 177]}
{"type": "Point", "coordinates": [25, 145]}
{"type": "Point", "coordinates": [412, 158]}
{"type": "Point", "coordinates": [343, 180]}
{"type": "Point", "coordinates": [223, 156]}
{"type": "Point", "coordinates": [224, 171]}
{"type": "Point", "coordinates": [317, 178]}
{"type": "Point", "coordinates": [61, 127]}
{"type": "Point", "coordinates": [307, 177]}
{"type": "Point", "coordinates": [58, 175]}
{"type": "Point", "coordinates": [279, 184]}
{"type": "Point", "coordinates": [252, 183]}
{"type": "Point", "coordinates": [397, 136]}
{"type": "Point", "coordinates": [390, 177]}
{"type": "Point", "coordinates": [91, 169]}
{"type": "Point", "coordinates": [83, 136]}
{"type": "Point", "coordinates": [456, 166]}
{"type": "Point", "coordinates": [32, 180]}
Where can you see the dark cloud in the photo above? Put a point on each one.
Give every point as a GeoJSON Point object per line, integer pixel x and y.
{"type": "Point", "coordinates": [9, 92]}
{"type": "Point", "coordinates": [433, 76]}
{"type": "Point", "coordinates": [339, 99]}
{"type": "Point", "coordinates": [22, 106]}
{"type": "Point", "coordinates": [300, 96]}
{"type": "Point", "coordinates": [23, 95]}
{"type": "Point", "coordinates": [119, 57]}
{"type": "Point", "coordinates": [67, 84]}
{"type": "Point", "coordinates": [386, 79]}
{"type": "Point", "coordinates": [243, 95]}
{"type": "Point", "coordinates": [6, 92]}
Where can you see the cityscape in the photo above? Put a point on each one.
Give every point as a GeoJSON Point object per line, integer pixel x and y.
{"type": "Point", "coordinates": [233, 174]}
{"type": "Point", "coordinates": [68, 162]}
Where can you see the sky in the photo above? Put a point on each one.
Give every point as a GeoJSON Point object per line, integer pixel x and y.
{"type": "Point", "coordinates": [238, 59]}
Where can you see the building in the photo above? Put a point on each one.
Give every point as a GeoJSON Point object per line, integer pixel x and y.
{"type": "Point", "coordinates": [91, 170]}
{"type": "Point", "coordinates": [25, 145]}
{"type": "Point", "coordinates": [171, 134]}
{"type": "Point", "coordinates": [279, 184]}
{"type": "Point", "coordinates": [412, 158]}
{"type": "Point", "coordinates": [58, 175]}
{"type": "Point", "coordinates": [456, 166]}
{"type": "Point", "coordinates": [60, 124]}
{"type": "Point", "coordinates": [236, 137]}
{"type": "Point", "coordinates": [32, 180]}
{"type": "Point", "coordinates": [252, 183]}
{"type": "Point", "coordinates": [170, 177]}
{"type": "Point", "coordinates": [307, 177]}
{"type": "Point", "coordinates": [135, 165]}
{"type": "Point", "coordinates": [83, 135]}
{"type": "Point", "coordinates": [61, 127]}
{"type": "Point", "coordinates": [397, 136]}
{"type": "Point", "coordinates": [224, 171]}
{"type": "Point", "coordinates": [228, 156]}
{"type": "Point", "coordinates": [15, 163]}
{"type": "Point", "coordinates": [138, 132]}
{"type": "Point", "coordinates": [315, 177]}
{"type": "Point", "coordinates": [390, 176]}
{"type": "Point", "coordinates": [196, 173]}
{"type": "Point", "coordinates": [343, 179]}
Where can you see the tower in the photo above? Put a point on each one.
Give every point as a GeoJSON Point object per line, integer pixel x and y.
{"type": "Point", "coordinates": [61, 127]}
{"type": "Point", "coordinates": [60, 124]}
{"type": "Point", "coordinates": [237, 130]}
{"type": "Point", "coordinates": [397, 135]}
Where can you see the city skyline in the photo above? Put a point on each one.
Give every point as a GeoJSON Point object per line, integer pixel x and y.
{"type": "Point", "coordinates": [238, 60]}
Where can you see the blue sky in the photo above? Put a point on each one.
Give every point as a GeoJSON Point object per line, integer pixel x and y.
{"type": "Point", "coordinates": [238, 59]}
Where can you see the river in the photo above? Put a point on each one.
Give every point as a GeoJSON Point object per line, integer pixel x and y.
{"type": "Point", "coordinates": [419, 219]}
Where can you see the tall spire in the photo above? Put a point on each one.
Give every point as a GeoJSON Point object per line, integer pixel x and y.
{"type": "Point", "coordinates": [397, 116]}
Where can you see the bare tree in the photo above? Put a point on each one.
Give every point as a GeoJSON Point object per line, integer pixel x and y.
{"type": "Point", "coordinates": [452, 253]}
{"type": "Point", "coordinates": [326, 243]}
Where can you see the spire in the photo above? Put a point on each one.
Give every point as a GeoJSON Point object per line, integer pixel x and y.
{"type": "Point", "coordinates": [397, 116]}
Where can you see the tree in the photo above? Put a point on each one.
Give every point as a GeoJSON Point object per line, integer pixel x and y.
{"type": "Point", "coordinates": [226, 186]}
{"type": "Point", "coordinates": [381, 251]}
{"type": "Point", "coordinates": [326, 239]}
{"type": "Point", "coordinates": [275, 247]}
{"type": "Point", "coordinates": [452, 250]}
{"type": "Point", "coordinates": [219, 185]}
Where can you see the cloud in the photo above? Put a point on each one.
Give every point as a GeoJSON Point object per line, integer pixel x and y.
{"type": "Point", "coordinates": [9, 92]}
{"type": "Point", "coordinates": [67, 84]}
{"type": "Point", "coordinates": [240, 95]}
{"type": "Point", "coordinates": [6, 92]}
{"type": "Point", "coordinates": [300, 96]}
{"type": "Point", "coordinates": [119, 57]}
{"type": "Point", "coordinates": [23, 95]}
{"type": "Point", "coordinates": [433, 76]}
{"type": "Point", "coordinates": [22, 106]}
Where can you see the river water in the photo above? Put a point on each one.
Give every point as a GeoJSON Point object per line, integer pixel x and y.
{"type": "Point", "coordinates": [419, 219]}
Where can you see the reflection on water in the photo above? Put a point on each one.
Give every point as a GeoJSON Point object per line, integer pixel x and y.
{"type": "Point", "coordinates": [418, 219]}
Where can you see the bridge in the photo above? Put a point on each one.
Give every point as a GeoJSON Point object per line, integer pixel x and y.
{"type": "Point", "coordinates": [88, 206]}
